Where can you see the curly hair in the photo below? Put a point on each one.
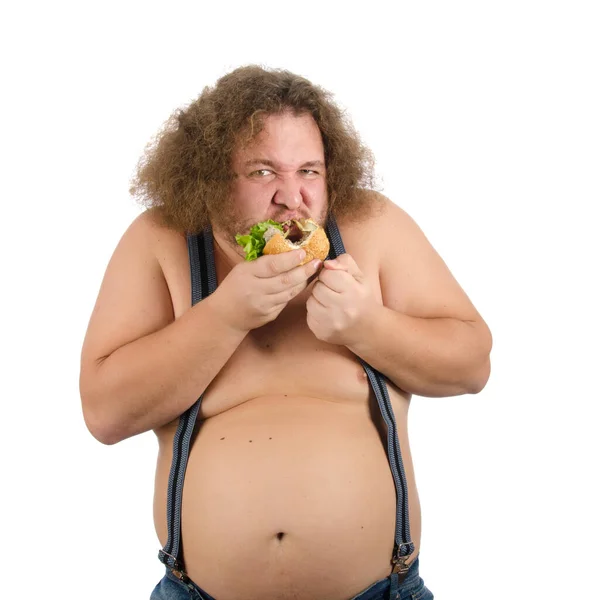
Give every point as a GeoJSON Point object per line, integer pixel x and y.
{"type": "Point", "coordinates": [185, 173]}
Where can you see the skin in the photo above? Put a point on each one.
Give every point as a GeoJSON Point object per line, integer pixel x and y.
{"type": "Point", "coordinates": [288, 493]}
{"type": "Point", "coordinates": [282, 187]}
{"type": "Point", "coordinates": [288, 185]}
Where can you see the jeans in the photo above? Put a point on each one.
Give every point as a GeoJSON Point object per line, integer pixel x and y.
{"type": "Point", "coordinates": [412, 588]}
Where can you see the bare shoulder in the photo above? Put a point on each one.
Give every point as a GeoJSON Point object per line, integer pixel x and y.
{"type": "Point", "coordinates": [358, 230]}
{"type": "Point", "coordinates": [159, 236]}
{"type": "Point", "coordinates": [134, 298]}
{"type": "Point", "coordinates": [147, 233]}
{"type": "Point", "coordinates": [380, 212]}
{"type": "Point", "coordinates": [414, 278]}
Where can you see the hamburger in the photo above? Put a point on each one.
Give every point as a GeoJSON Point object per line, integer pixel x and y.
{"type": "Point", "coordinates": [271, 237]}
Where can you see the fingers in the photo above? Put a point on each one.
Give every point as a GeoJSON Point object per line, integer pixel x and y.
{"type": "Point", "coordinates": [338, 280]}
{"type": "Point", "coordinates": [275, 264]}
{"type": "Point", "coordinates": [294, 277]}
{"type": "Point", "coordinates": [290, 279]}
{"type": "Point", "coordinates": [324, 295]}
{"type": "Point", "coordinates": [344, 262]}
{"type": "Point", "coordinates": [288, 294]}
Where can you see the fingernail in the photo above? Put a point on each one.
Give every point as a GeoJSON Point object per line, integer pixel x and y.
{"type": "Point", "coordinates": [302, 254]}
{"type": "Point", "coordinates": [316, 264]}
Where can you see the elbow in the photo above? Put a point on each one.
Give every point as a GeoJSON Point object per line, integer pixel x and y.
{"type": "Point", "coordinates": [104, 435]}
{"type": "Point", "coordinates": [100, 426]}
{"type": "Point", "coordinates": [103, 426]}
{"type": "Point", "coordinates": [480, 373]}
{"type": "Point", "coordinates": [480, 378]}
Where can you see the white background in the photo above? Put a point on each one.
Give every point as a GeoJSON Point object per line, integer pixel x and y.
{"type": "Point", "coordinates": [484, 118]}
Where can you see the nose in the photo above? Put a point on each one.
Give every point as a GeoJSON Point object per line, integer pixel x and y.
{"type": "Point", "coordinates": [289, 195]}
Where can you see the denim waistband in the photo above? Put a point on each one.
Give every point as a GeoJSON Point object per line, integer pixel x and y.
{"type": "Point", "coordinates": [410, 583]}
{"type": "Point", "coordinates": [412, 577]}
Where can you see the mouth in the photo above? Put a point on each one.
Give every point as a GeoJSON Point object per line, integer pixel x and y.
{"type": "Point", "coordinates": [285, 218]}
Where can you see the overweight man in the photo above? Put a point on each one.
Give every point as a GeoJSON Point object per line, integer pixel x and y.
{"type": "Point", "coordinates": [279, 392]}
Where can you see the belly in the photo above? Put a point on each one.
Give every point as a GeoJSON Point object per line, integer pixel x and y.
{"type": "Point", "coordinates": [289, 497]}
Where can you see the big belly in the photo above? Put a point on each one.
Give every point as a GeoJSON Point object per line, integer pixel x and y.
{"type": "Point", "coordinates": [287, 497]}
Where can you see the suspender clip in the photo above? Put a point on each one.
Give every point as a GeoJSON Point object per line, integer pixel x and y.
{"type": "Point", "coordinates": [399, 565]}
{"type": "Point", "coordinates": [399, 562]}
{"type": "Point", "coordinates": [180, 575]}
{"type": "Point", "coordinates": [176, 567]}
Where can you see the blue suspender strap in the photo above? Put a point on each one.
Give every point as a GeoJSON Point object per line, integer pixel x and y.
{"type": "Point", "coordinates": [204, 283]}
{"type": "Point", "coordinates": [403, 547]}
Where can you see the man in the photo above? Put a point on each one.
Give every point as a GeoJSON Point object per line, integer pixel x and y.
{"type": "Point", "coordinates": [292, 382]}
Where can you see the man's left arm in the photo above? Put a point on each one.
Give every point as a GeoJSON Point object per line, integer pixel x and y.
{"type": "Point", "coordinates": [427, 337]}
{"type": "Point", "coordinates": [435, 357]}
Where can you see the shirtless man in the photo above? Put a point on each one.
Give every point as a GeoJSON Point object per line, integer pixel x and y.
{"type": "Point", "coordinates": [298, 483]}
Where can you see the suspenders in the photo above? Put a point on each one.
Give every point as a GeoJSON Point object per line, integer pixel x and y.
{"type": "Point", "coordinates": [403, 546]}
{"type": "Point", "coordinates": [204, 283]}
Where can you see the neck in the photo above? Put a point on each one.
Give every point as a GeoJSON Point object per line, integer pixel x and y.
{"type": "Point", "coordinates": [225, 252]}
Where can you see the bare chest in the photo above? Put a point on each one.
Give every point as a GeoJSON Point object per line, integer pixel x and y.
{"type": "Point", "coordinates": [283, 357]}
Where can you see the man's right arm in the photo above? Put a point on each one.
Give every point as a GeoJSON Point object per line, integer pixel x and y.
{"type": "Point", "coordinates": [141, 368]}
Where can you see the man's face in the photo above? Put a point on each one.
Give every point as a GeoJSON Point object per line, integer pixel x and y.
{"type": "Point", "coordinates": [280, 175]}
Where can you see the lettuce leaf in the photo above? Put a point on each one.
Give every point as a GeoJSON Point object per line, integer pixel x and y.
{"type": "Point", "coordinates": [254, 243]}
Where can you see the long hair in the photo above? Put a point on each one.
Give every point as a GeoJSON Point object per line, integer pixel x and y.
{"type": "Point", "coordinates": [186, 171]}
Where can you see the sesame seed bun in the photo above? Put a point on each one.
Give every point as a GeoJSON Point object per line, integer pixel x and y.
{"type": "Point", "coordinates": [316, 244]}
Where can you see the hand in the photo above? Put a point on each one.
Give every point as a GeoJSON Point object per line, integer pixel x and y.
{"type": "Point", "coordinates": [255, 292]}
{"type": "Point", "coordinates": [341, 302]}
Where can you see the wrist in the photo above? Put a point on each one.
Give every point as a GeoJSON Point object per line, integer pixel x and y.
{"type": "Point", "coordinates": [365, 328]}
{"type": "Point", "coordinates": [222, 314]}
